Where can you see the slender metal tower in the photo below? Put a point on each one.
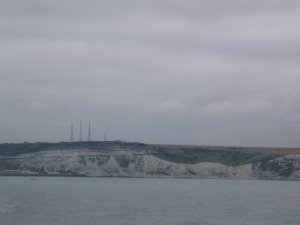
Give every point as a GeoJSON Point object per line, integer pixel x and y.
{"type": "Point", "coordinates": [89, 132]}
{"type": "Point", "coordinates": [72, 133]}
{"type": "Point", "coordinates": [105, 136]}
{"type": "Point", "coordinates": [80, 131]}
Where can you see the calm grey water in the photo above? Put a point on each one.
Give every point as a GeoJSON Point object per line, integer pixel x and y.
{"type": "Point", "coordinates": [128, 201]}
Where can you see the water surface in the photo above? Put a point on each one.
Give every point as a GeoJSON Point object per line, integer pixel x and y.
{"type": "Point", "coordinates": [129, 201]}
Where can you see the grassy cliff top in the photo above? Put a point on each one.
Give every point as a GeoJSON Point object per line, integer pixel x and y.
{"type": "Point", "coordinates": [174, 153]}
{"type": "Point", "coordinates": [22, 148]}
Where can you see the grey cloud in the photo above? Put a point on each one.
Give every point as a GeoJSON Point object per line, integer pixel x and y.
{"type": "Point", "coordinates": [182, 72]}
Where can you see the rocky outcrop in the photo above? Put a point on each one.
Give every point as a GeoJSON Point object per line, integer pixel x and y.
{"type": "Point", "coordinates": [141, 164]}
{"type": "Point", "coordinates": [286, 167]}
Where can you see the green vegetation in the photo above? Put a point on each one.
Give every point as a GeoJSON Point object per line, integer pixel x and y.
{"type": "Point", "coordinates": [180, 154]}
{"type": "Point", "coordinates": [228, 155]}
{"type": "Point", "coordinates": [197, 155]}
{"type": "Point", "coordinates": [22, 148]}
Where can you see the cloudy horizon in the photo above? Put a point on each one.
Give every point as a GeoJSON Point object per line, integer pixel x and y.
{"type": "Point", "coordinates": [167, 72]}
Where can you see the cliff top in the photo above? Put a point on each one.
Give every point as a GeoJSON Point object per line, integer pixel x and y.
{"type": "Point", "coordinates": [175, 153]}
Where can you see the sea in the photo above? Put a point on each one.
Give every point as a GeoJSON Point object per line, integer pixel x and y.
{"type": "Point", "coordinates": [147, 201]}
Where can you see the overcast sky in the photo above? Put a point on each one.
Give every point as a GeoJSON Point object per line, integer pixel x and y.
{"type": "Point", "coordinates": [155, 71]}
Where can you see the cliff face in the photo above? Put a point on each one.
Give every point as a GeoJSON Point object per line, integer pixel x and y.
{"type": "Point", "coordinates": [142, 164]}
{"type": "Point", "coordinates": [286, 167]}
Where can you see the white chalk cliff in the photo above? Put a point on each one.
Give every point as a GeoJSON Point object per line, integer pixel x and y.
{"type": "Point", "coordinates": [132, 164]}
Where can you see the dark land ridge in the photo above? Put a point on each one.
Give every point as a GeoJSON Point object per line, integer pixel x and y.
{"type": "Point", "coordinates": [187, 154]}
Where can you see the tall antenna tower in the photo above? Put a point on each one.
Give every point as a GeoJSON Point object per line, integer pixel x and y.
{"type": "Point", "coordinates": [80, 131]}
{"type": "Point", "coordinates": [105, 136]}
{"type": "Point", "coordinates": [89, 132]}
{"type": "Point", "coordinates": [72, 133]}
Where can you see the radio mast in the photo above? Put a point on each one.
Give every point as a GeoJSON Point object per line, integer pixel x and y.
{"type": "Point", "coordinates": [89, 132]}
{"type": "Point", "coordinates": [72, 133]}
{"type": "Point", "coordinates": [80, 131]}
